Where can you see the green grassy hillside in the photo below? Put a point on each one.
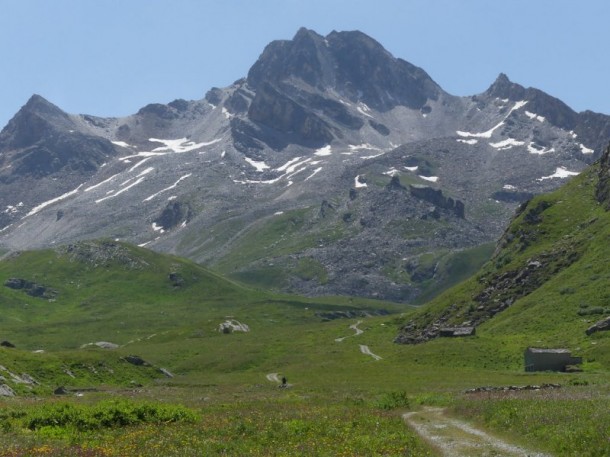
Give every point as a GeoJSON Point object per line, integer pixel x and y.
{"type": "Point", "coordinates": [348, 381]}
{"type": "Point", "coordinates": [547, 282]}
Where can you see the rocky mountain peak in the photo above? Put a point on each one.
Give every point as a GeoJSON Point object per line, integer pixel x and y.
{"type": "Point", "coordinates": [503, 87]}
{"type": "Point", "coordinates": [301, 58]}
{"type": "Point", "coordinates": [351, 63]}
{"type": "Point", "coordinates": [41, 139]}
{"type": "Point", "coordinates": [539, 102]}
{"type": "Point", "coordinates": [41, 105]}
{"type": "Point", "coordinates": [32, 123]}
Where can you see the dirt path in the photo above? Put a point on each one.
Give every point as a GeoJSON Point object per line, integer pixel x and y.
{"type": "Point", "coordinates": [273, 377]}
{"type": "Point", "coordinates": [455, 438]}
{"type": "Point", "coordinates": [355, 328]}
{"type": "Point", "coordinates": [365, 350]}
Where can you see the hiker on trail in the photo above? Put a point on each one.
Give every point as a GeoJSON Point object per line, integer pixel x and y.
{"type": "Point", "coordinates": [284, 381]}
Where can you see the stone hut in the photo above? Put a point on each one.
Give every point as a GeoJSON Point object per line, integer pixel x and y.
{"type": "Point", "coordinates": [539, 359]}
{"type": "Point", "coordinates": [457, 331]}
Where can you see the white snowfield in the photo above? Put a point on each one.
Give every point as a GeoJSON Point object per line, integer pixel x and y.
{"type": "Point", "coordinates": [315, 172]}
{"type": "Point", "coordinates": [560, 172]}
{"type": "Point", "coordinates": [138, 180]}
{"type": "Point", "coordinates": [54, 200]}
{"type": "Point", "coordinates": [535, 116]}
{"type": "Point", "coordinates": [391, 172]}
{"type": "Point", "coordinates": [121, 143]}
{"type": "Point", "coordinates": [471, 141]}
{"type": "Point", "coordinates": [173, 186]}
{"type": "Point", "coordinates": [10, 209]}
{"type": "Point", "coordinates": [180, 145]}
{"type": "Point", "coordinates": [586, 150]}
{"type": "Point", "coordinates": [490, 132]}
{"type": "Point", "coordinates": [359, 184]}
{"type": "Point", "coordinates": [534, 149]}
{"type": "Point", "coordinates": [176, 146]}
{"type": "Point", "coordinates": [259, 165]}
{"type": "Point", "coordinates": [429, 178]}
{"type": "Point", "coordinates": [506, 144]}
{"type": "Point", "coordinates": [325, 151]}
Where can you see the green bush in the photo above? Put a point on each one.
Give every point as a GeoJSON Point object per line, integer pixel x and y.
{"type": "Point", "coordinates": [108, 414]}
{"type": "Point", "coordinates": [393, 400]}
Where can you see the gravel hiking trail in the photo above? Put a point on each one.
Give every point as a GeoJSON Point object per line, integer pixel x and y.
{"type": "Point", "coordinates": [273, 377]}
{"type": "Point", "coordinates": [363, 348]}
{"type": "Point", "coordinates": [366, 351]}
{"type": "Point", "coordinates": [355, 328]}
{"type": "Point", "coordinates": [456, 438]}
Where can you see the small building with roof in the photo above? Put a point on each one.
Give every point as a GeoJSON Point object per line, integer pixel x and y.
{"type": "Point", "coordinates": [542, 359]}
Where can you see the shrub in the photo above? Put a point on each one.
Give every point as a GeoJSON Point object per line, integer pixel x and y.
{"type": "Point", "coordinates": [108, 414]}
{"type": "Point", "coordinates": [393, 400]}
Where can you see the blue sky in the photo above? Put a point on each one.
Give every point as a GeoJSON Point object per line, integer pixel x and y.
{"type": "Point", "coordinates": [111, 57]}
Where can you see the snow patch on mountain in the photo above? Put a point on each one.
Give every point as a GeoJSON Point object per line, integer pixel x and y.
{"type": "Point", "coordinates": [560, 172]}
{"type": "Point", "coordinates": [54, 200]}
{"type": "Point", "coordinates": [226, 113]}
{"type": "Point", "coordinates": [325, 151]}
{"type": "Point", "coordinates": [489, 133]}
{"type": "Point", "coordinates": [291, 165]}
{"type": "Point", "coordinates": [173, 186]}
{"type": "Point", "coordinates": [364, 109]}
{"type": "Point", "coordinates": [472, 141]}
{"type": "Point", "coordinates": [486, 134]}
{"type": "Point", "coordinates": [12, 209]}
{"type": "Point", "coordinates": [535, 116]}
{"type": "Point", "coordinates": [95, 186]}
{"type": "Point", "coordinates": [180, 145]}
{"type": "Point", "coordinates": [316, 171]}
{"type": "Point", "coordinates": [506, 144]}
{"type": "Point", "coordinates": [358, 183]}
{"type": "Point", "coordinates": [112, 193]}
{"type": "Point", "coordinates": [533, 148]}
{"type": "Point", "coordinates": [259, 165]}
{"type": "Point", "coordinates": [122, 144]}
{"type": "Point", "coordinates": [140, 163]}
{"type": "Point", "coordinates": [585, 150]}
{"type": "Point", "coordinates": [429, 178]}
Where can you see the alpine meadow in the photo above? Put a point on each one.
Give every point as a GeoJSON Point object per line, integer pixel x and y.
{"type": "Point", "coordinates": [333, 256]}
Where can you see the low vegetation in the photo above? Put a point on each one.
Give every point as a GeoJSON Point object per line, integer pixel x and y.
{"type": "Point", "coordinates": [201, 391]}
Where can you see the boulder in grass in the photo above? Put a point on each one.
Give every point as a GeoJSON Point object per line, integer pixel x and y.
{"type": "Point", "coordinates": [599, 326]}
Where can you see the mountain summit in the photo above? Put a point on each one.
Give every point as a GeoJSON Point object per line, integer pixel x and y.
{"type": "Point", "coordinates": [350, 63]}
{"type": "Point", "coordinates": [333, 167]}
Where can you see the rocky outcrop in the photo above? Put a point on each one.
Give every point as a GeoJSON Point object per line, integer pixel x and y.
{"type": "Point", "coordinates": [31, 288]}
{"type": "Point", "coordinates": [500, 291]}
{"type": "Point", "coordinates": [275, 110]}
{"type": "Point", "coordinates": [600, 326]}
{"type": "Point", "coordinates": [602, 192]}
{"type": "Point", "coordinates": [136, 360]}
{"type": "Point", "coordinates": [101, 253]}
{"type": "Point", "coordinates": [350, 314]}
{"type": "Point", "coordinates": [436, 197]}
{"type": "Point", "coordinates": [174, 214]}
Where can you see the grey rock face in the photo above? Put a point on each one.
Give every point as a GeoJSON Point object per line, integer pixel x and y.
{"type": "Point", "coordinates": [334, 162]}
